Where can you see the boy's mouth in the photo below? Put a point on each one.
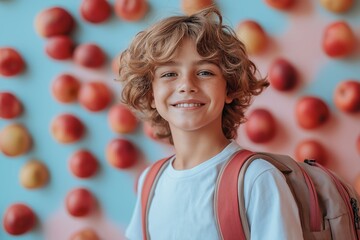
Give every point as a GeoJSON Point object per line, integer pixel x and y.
{"type": "Point", "coordinates": [188, 105]}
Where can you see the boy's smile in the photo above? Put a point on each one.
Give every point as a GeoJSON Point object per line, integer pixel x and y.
{"type": "Point", "coordinates": [190, 92]}
{"type": "Point", "coordinates": [188, 104]}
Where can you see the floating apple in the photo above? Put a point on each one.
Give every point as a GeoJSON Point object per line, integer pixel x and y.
{"type": "Point", "coordinates": [121, 119]}
{"type": "Point", "coordinates": [337, 6]}
{"type": "Point", "coordinates": [34, 174]}
{"type": "Point", "coordinates": [149, 131]}
{"type": "Point", "coordinates": [85, 234]}
{"type": "Point", "coordinates": [121, 153]}
{"type": "Point", "coordinates": [347, 96]}
{"type": "Point", "coordinates": [338, 40]}
{"type": "Point", "coordinates": [95, 96]}
{"type": "Point", "coordinates": [89, 55]}
{"type": "Point", "coordinates": [280, 4]}
{"type": "Point", "coordinates": [252, 35]}
{"type": "Point", "coordinates": [131, 10]}
{"type": "Point", "coordinates": [83, 164]}
{"type": "Point", "coordinates": [282, 75]}
{"type": "Point", "coordinates": [54, 21]}
{"type": "Point", "coordinates": [80, 202]}
{"type": "Point", "coordinates": [311, 112]}
{"type": "Point", "coordinates": [310, 149]}
{"type": "Point", "coordinates": [11, 62]}
{"type": "Point", "coordinates": [15, 140]}
{"type": "Point", "coordinates": [59, 47]}
{"type": "Point", "coordinates": [67, 128]}
{"type": "Point", "coordinates": [19, 219]}
{"type": "Point", "coordinates": [260, 126]}
{"type": "Point", "coordinates": [65, 88]}
{"type": "Point", "coordinates": [10, 106]}
{"type": "Point", "coordinates": [95, 11]}
{"type": "Point", "coordinates": [190, 7]}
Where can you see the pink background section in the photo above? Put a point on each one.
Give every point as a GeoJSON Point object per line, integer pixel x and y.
{"type": "Point", "coordinates": [300, 43]}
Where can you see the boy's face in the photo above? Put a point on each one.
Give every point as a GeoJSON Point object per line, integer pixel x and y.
{"type": "Point", "coordinates": [190, 92]}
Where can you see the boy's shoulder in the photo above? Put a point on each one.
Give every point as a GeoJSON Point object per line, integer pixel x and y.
{"type": "Point", "coordinates": [260, 166]}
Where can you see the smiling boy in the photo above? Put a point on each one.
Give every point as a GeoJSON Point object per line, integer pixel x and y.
{"type": "Point", "coordinates": [191, 77]}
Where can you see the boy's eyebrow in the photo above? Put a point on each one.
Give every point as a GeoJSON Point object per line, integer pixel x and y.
{"type": "Point", "coordinates": [174, 63]}
{"type": "Point", "coordinates": [169, 63]}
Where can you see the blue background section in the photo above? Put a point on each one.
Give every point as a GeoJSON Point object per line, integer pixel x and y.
{"type": "Point", "coordinates": [113, 188]}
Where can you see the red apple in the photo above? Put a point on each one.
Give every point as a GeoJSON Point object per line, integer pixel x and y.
{"type": "Point", "coordinates": [338, 40]}
{"type": "Point", "coordinates": [67, 128]}
{"type": "Point", "coordinates": [131, 10]}
{"type": "Point", "coordinates": [95, 96]}
{"type": "Point", "coordinates": [34, 174]}
{"type": "Point", "coordinates": [358, 144]}
{"type": "Point", "coordinates": [83, 164]}
{"type": "Point", "coordinates": [121, 153]}
{"type": "Point", "coordinates": [89, 55]}
{"type": "Point", "coordinates": [149, 131]}
{"type": "Point", "coordinates": [85, 234]}
{"type": "Point", "coordinates": [18, 219]}
{"type": "Point", "coordinates": [282, 75]}
{"type": "Point", "coordinates": [80, 202]}
{"type": "Point", "coordinates": [65, 88]}
{"type": "Point", "coordinates": [11, 62]}
{"type": "Point", "coordinates": [252, 35]}
{"type": "Point", "coordinates": [121, 119]}
{"type": "Point", "coordinates": [311, 112]}
{"type": "Point", "coordinates": [95, 11]}
{"type": "Point", "coordinates": [280, 4]}
{"type": "Point", "coordinates": [190, 7]}
{"type": "Point", "coordinates": [347, 96]}
{"type": "Point", "coordinates": [10, 106]}
{"type": "Point", "coordinates": [15, 140]}
{"type": "Point", "coordinates": [310, 149]}
{"type": "Point", "coordinates": [337, 6]}
{"type": "Point", "coordinates": [260, 126]}
{"type": "Point", "coordinates": [59, 47]}
{"type": "Point", "coordinates": [54, 21]}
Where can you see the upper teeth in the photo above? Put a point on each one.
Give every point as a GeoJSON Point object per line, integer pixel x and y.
{"type": "Point", "coordinates": [187, 105]}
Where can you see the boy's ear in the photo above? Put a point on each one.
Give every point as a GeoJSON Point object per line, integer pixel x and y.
{"type": "Point", "coordinates": [228, 100]}
{"type": "Point", "coordinates": [153, 103]}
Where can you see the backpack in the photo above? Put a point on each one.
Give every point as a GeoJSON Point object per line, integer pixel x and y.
{"type": "Point", "coordinates": [328, 207]}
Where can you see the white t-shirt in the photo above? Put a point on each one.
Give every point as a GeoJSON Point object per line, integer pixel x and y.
{"type": "Point", "coordinates": [182, 207]}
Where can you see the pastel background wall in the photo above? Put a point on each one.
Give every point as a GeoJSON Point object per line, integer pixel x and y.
{"type": "Point", "coordinates": [294, 34]}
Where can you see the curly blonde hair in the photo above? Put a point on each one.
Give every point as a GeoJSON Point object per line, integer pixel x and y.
{"type": "Point", "coordinates": [214, 41]}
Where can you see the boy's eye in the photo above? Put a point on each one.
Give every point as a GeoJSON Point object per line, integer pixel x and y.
{"type": "Point", "coordinates": [205, 73]}
{"type": "Point", "coordinates": [168, 74]}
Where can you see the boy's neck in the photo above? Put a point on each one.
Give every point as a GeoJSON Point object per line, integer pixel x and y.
{"type": "Point", "coordinates": [192, 148]}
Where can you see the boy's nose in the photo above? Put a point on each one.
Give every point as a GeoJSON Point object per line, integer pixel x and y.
{"type": "Point", "coordinates": [188, 84]}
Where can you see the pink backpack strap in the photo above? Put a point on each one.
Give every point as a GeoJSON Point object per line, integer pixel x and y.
{"type": "Point", "coordinates": [148, 190]}
{"type": "Point", "coordinates": [229, 203]}
{"type": "Point", "coordinates": [226, 199]}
